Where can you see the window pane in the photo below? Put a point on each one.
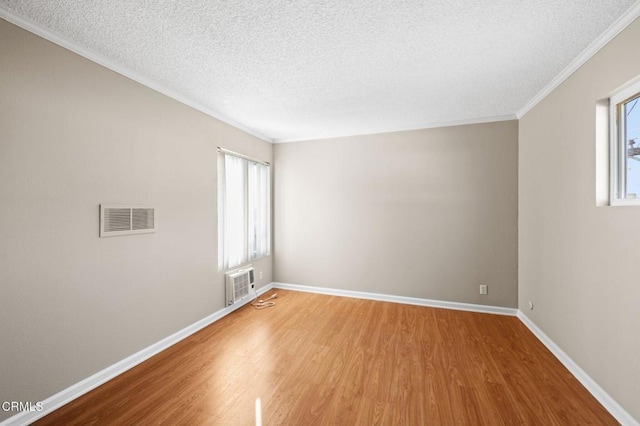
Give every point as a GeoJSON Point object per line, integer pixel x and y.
{"type": "Point", "coordinates": [631, 142]}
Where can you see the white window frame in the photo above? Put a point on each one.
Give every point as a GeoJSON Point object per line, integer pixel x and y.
{"type": "Point", "coordinates": [617, 147]}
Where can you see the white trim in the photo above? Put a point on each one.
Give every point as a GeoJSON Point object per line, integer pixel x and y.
{"type": "Point", "coordinates": [74, 391]}
{"type": "Point", "coordinates": [614, 29]}
{"type": "Point", "coordinates": [106, 62]}
{"type": "Point", "coordinates": [100, 59]}
{"type": "Point", "coordinates": [625, 202]}
{"type": "Point", "coordinates": [618, 145]}
{"type": "Point", "coordinates": [422, 126]}
{"type": "Point", "coordinates": [399, 299]}
{"type": "Point", "coordinates": [620, 24]}
{"type": "Point", "coordinates": [603, 397]}
{"type": "Point", "coordinates": [614, 181]}
{"type": "Point", "coordinates": [607, 401]}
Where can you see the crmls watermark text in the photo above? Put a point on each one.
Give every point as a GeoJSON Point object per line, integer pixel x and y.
{"type": "Point", "coordinates": [22, 406]}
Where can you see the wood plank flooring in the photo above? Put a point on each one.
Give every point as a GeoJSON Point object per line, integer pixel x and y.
{"type": "Point", "coordinates": [316, 360]}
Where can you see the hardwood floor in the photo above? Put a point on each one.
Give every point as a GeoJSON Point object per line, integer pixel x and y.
{"type": "Point", "coordinates": [315, 360]}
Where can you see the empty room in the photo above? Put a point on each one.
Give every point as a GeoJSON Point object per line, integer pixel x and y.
{"type": "Point", "coordinates": [309, 213]}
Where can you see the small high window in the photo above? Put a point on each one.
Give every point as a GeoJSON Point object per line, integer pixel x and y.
{"type": "Point", "coordinates": [625, 146]}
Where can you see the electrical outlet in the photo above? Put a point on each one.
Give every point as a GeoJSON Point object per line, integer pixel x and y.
{"type": "Point", "coordinates": [530, 305]}
{"type": "Point", "coordinates": [260, 275]}
{"type": "Point", "coordinates": [484, 289]}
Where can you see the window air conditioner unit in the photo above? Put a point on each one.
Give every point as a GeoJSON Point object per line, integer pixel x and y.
{"type": "Point", "coordinates": [239, 284]}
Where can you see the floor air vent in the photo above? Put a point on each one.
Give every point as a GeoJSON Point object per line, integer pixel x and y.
{"type": "Point", "coordinates": [239, 284]}
{"type": "Point", "coordinates": [126, 220]}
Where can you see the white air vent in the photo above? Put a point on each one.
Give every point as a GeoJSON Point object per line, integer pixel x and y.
{"type": "Point", "coordinates": [239, 284]}
{"type": "Point", "coordinates": [126, 220]}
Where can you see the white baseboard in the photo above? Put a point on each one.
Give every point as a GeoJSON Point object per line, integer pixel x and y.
{"type": "Point", "coordinates": [72, 392]}
{"type": "Point", "coordinates": [69, 394]}
{"type": "Point", "coordinates": [607, 402]}
{"type": "Point", "coordinates": [400, 299]}
{"type": "Point", "coordinates": [603, 397]}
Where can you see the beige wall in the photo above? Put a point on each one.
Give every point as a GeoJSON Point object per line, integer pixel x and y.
{"type": "Point", "coordinates": [579, 263]}
{"type": "Point", "coordinates": [73, 135]}
{"type": "Point", "coordinates": [428, 213]}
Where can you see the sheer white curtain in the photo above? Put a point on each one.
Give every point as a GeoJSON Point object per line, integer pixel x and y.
{"type": "Point", "coordinates": [244, 217]}
{"type": "Point", "coordinates": [259, 210]}
{"type": "Point", "coordinates": [233, 239]}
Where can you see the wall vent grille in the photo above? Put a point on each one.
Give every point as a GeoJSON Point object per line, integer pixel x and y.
{"type": "Point", "coordinates": [126, 220]}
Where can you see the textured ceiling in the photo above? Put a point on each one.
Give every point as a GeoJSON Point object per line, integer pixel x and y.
{"type": "Point", "coordinates": [292, 70]}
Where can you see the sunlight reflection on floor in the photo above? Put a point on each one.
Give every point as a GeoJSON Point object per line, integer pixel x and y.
{"type": "Point", "coordinates": [258, 413]}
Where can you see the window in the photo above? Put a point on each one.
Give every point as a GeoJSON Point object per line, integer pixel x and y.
{"type": "Point", "coordinates": [243, 210]}
{"type": "Point", "coordinates": [625, 146]}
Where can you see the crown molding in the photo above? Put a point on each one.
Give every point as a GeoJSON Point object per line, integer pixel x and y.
{"type": "Point", "coordinates": [620, 24]}
{"type": "Point", "coordinates": [102, 60]}
{"type": "Point", "coordinates": [491, 119]}
{"type": "Point", "coordinates": [616, 28]}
